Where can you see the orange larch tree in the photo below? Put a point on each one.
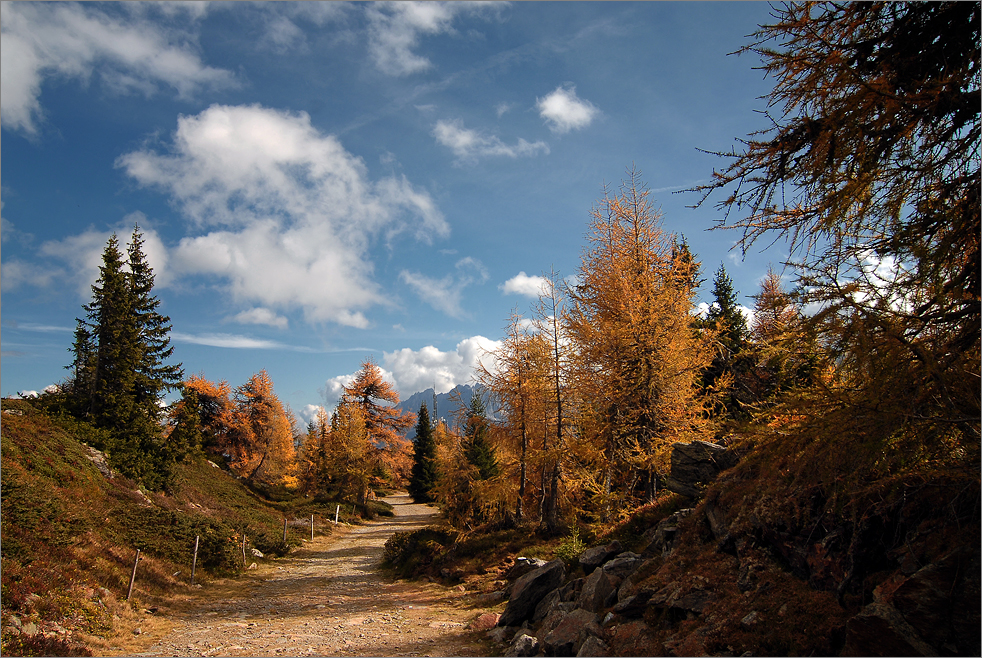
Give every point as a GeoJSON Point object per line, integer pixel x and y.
{"type": "Point", "coordinates": [384, 423]}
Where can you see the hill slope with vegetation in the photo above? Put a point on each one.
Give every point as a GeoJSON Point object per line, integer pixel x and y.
{"type": "Point", "coordinates": [71, 527]}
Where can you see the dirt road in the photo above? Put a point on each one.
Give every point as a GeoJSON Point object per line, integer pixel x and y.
{"type": "Point", "coordinates": [326, 599]}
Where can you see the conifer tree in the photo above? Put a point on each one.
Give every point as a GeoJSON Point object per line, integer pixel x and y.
{"type": "Point", "coordinates": [870, 171]}
{"type": "Point", "coordinates": [424, 472]}
{"type": "Point", "coordinates": [477, 445]}
{"type": "Point", "coordinates": [153, 376]}
{"type": "Point", "coordinates": [118, 372]}
{"type": "Point", "coordinates": [725, 312]}
{"type": "Point", "coordinates": [726, 374]}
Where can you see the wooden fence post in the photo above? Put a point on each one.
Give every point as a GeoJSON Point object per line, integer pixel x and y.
{"type": "Point", "coordinates": [336, 513]}
{"type": "Point", "coordinates": [311, 527]}
{"type": "Point", "coordinates": [243, 547]}
{"type": "Point", "coordinates": [194, 563]}
{"type": "Point", "coordinates": [129, 592]}
{"type": "Point", "coordinates": [284, 530]}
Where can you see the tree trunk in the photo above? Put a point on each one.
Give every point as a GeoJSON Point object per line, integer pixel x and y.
{"type": "Point", "coordinates": [552, 511]}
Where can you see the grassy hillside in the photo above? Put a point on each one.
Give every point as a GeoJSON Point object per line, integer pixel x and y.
{"type": "Point", "coordinates": [70, 534]}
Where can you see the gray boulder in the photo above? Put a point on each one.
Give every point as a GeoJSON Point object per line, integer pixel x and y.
{"type": "Point", "coordinates": [633, 583]}
{"type": "Point", "coordinates": [523, 645]}
{"type": "Point", "coordinates": [634, 606]}
{"type": "Point", "coordinates": [594, 646]}
{"type": "Point", "coordinates": [623, 566]}
{"type": "Point", "coordinates": [595, 557]}
{"type": "Point", "coordinates": [571, 590]}
{"type": "Point", "coordinates": [599, 591]}
{"type": "Point", "coordinates": [554, 619]}
{"type": "Point", "coordinates": [661, 538]}
{"type": "Point", "coordinates": [695, 464]}
{"type": "Point", "coordinates": [503, 634]}
{"type": "Point", "coordinates": [547, 604]}
{"type": "Point", "coordinates": [529, 590]}
{"type": "Point", "coordinates": [567, 638]}
{"type": "Point", "coordinates": [522, 566]}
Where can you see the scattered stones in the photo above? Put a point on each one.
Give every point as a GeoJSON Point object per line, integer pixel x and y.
{"type": "Point", "coordinates": [599, 591]}
{"type": "Point", "coordinates": [622, 566]}
{"type": "Point", "coordinates": [503, 634]}
{"type": "Point", "coordinates": [255, 552]}
{"type": "Point", "coordinates": [491, 598]}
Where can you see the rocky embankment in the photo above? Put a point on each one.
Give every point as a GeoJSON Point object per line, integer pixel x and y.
{"type": "Point", "coordinates": [718, 580]}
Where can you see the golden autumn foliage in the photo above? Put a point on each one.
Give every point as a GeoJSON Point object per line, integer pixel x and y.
{"type": "Point", "coordinates": [638, 357]}
{"type": "Point", "coordinates": [249, 427]}
{"type": "Point", "coordinates": [375, 399]}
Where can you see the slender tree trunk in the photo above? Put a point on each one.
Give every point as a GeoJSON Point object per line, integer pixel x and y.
{"type": "Point", "coordinates": [607, 485]}
{"type": "Point", "coordinates": [552, 512]}
{"type": "Point", "coordinates": [522, 472]}
{"type": "Point", "coordinates": [543, 498]}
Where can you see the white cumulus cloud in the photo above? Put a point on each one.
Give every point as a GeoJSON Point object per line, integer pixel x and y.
{"type": "Point", "coordinates": [564, 111]}
{"type": "Point", "coordinates": [286, 215]}
{"type": "Point", "coordinates": [468, 144]}
{"type": "Point", "coordinates": [417, 370]}
{"type": "Point", "coordinates": [128, 52]}
{"type": "Point", "coordinates": [523, 284]}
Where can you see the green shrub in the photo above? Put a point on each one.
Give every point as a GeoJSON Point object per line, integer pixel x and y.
{"type": "Point", "coordinates": [571, 546]}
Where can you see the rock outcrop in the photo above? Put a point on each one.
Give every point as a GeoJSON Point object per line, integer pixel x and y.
{"type": "Point", "coordinates": [721, 572]}
{"type": "Point", "coordinates": [695, 465]}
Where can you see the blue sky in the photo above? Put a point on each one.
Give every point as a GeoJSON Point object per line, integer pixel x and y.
{"type": "Point", "coordinates": [323, 182]}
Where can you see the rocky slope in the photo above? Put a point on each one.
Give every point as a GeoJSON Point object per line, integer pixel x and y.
{"type": "Point", "coordinates": [740, 572]}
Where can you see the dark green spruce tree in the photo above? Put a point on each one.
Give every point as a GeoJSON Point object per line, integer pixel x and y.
{"type": "Point", "coordinates": [732, 358]}
{"type": "Point", "coordinates": [424, 473]}
{"type": "Point", "coordinates": [118, 374]}
{"type": "Point", "coordinates": [477, 443]}
{"type": "Point", "coordinates": [153, 376]}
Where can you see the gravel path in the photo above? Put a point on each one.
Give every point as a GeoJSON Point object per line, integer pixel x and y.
{"type": "Point", "coordinates": [326, 599]}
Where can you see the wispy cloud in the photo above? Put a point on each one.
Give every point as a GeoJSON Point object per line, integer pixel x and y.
{"type": "Point", "coordinates": [395, 30]}
{"type": "Point", "coordinates": [127, 51]}
{"type": "Point", "coordinates": [445, 294]}
{"type": "Point", "coordinates": [39, 328]}
{"type": "Point", "coordinates": [468, 145]}
{"type": "Point", "coordinates": [236, 342]}
{"type": "Point", "coordinates": [564, 111]}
